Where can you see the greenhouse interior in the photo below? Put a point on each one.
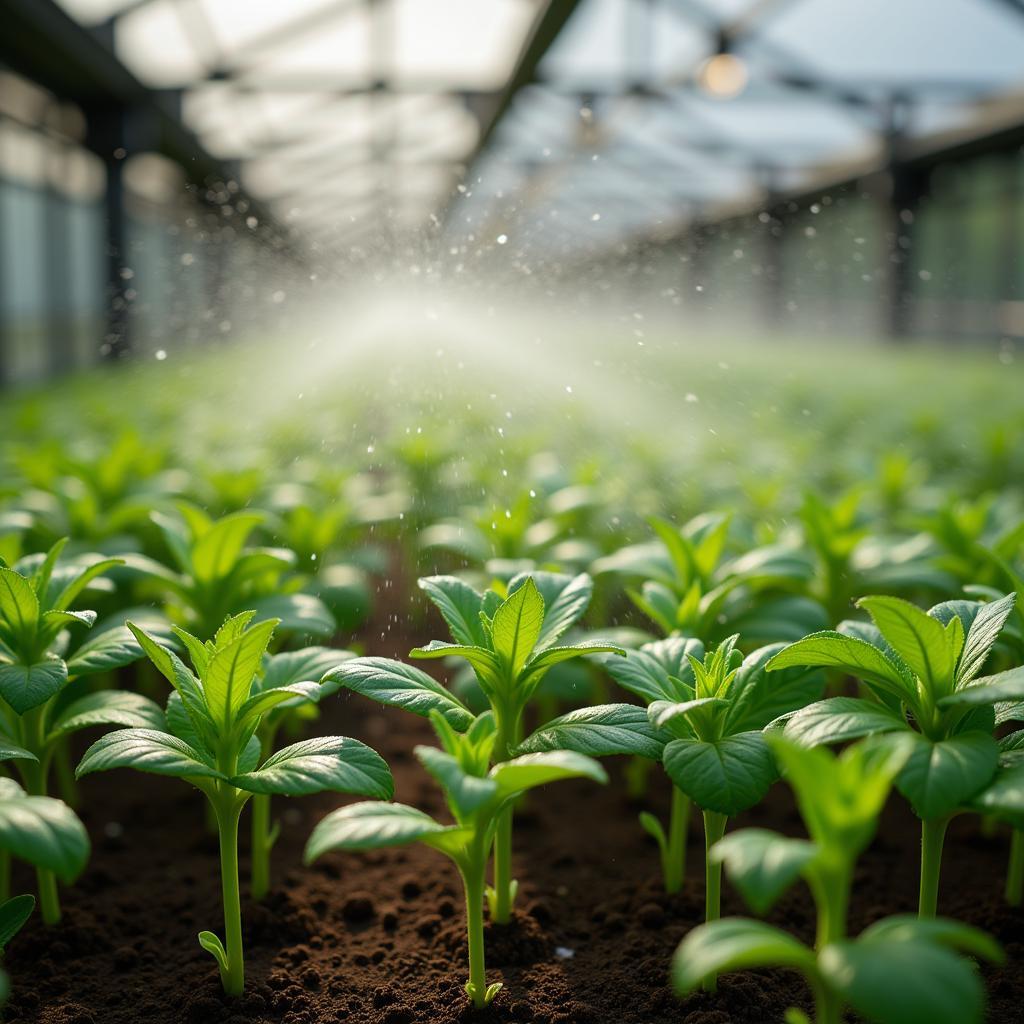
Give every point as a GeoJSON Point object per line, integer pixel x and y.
{"type": "Point", "coordinates": [575, 447]}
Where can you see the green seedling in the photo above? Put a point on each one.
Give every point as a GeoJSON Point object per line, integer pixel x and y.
{"type": "Point", "coordinates": [852, 560]}
{"type": "Point", "coordinates": [899, 970]}
{"type": "Point", "coordinates": [511, 643]}
{"type": "Point", "coordinates": [41, 654]}
{"type": "Point", "coordinates": [703, 722]}
{"type": "Point", "coordinates": [210, 739]}
{"type": "Point", "coordinates": [216, 574]}
{"type": "Point", "coordinates": [692, 589]}
{"type": "Point", "coordinates": [920, 671]}
{"type": "Point", "coordinates": [478, 798]}
{"type": "Point", "coordinates": [301, 671]}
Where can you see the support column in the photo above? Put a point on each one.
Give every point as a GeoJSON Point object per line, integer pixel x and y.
{"type": "Point", "coordinates": [57, 269]}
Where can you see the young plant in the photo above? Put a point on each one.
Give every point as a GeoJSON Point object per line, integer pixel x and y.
{"type": "Point", "coordinates": [920, 673]}
{"type": "Point", "coordinates": [210, 739]}
{"type": "Point", "coordinates": [511, 643]}
{"type": "Point", "coordinates": [900, 970]}
{"type": "Point", "coordinates": [703, 722]}
{"type": "Point", "coordinates": [478, 798]}
{"type": "Point", "coordinates": [691, 589]}
{"type": "Point", "coordinates": [300, 671]}
{"type": "Point", "coordinates": [39, 658]}
{"type": "Point", "coordinates": [215, 574]}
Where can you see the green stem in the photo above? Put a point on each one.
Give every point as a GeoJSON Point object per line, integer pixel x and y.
{"type": "Point", "coordinates": [714, 829]}
{"type": "Point", "coordinates": [504, 888]}
{"type": "Point", "coordinates": [1015, 870]}
{"type": "Point", "coordinates": [66, 784]}
{"type": "Point", "coordinates": [637, 773]}
{"type": "Point", "coordinates": [933, 834]}
{"type": "Point", "coordinates": [473, 882]}
{"type": "Point", "coordinates": [827, 1004]}
{"type": "Point", "coordinates": [233, 974]}
{"type": "Point", "coordinates": [260, 846]}
{"type": "Point", "coordinates": [674, 868]}
{"type": "Point", "coordinates": [501, 905]}
{"type": "Point", "coordinates": [35, 775]}
{"type": "Point", "coordinates": [831, 890]}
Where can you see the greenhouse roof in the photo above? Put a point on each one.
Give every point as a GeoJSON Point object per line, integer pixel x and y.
{"type": "Point", "coordinates": [564, 121]}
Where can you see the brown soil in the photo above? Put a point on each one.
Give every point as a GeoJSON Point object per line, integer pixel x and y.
{"type": "Point", "coordinates": [378, 938]}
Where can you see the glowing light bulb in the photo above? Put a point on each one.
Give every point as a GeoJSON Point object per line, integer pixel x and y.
{"type": "Point", "coordinates": [723, 76]}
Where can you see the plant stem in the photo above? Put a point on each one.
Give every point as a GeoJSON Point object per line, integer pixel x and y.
{"type": "Point", "coordinates": [1015, 869]}
{"type": "Point", "coordinates": [473, 882]}
{"type": "Point", "coordinates": [504, 886]}
{"type": "Point", "coordinates": [933, 834]}
{"type": "Point", "coordinates": [66, 783]}
{"type": "Point", "coordinates": [35, 775]}
{"type": "Point", "coordinates": [674, 868]}
{"type": "Point", "coordinates": [233, 976]}
{"type": "Point", "coordinates": [827, 1004]}
{"type": "Point", "coordinates": [260, 846]}
{"type": "Point", "coordinates": [714, 829]}
{"type": "Point", "coordinates": [501, 908]}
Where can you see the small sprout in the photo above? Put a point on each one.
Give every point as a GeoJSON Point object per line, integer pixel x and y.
{"type": "Point", "coordinates": [511, 642]}
{"type": "Point", "coordinates": [210, 738]}
{"type": "Point", "coordinates": [478, 798]}
{"type": "Point", "coordinates": [900, 968]}
{"type": "Point", "coordinates": [920, 673]}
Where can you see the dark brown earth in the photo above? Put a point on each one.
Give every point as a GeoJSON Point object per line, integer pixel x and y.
{"type": "Point", "coordinates": [379, 939]}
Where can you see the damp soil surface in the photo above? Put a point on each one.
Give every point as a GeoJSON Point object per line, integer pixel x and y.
{"type": "Point", "coordinates": [378, 938]}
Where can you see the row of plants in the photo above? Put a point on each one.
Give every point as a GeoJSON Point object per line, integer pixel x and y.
{"type": "Point", "coordinates": [721, 724]}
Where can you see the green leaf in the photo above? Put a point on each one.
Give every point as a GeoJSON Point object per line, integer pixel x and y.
{"type": "Point", "coordinates": [230, 672]}
{"type": "Point", "coordinates": [212, 944]}
{"type": "Point", "coordinates": [546, 659]}
{"type": "Point", "coordinates": [19, 607]}
{"type": "Point", "coordinates": [734, 944]}
{"type": "Point", "coordinates": [371, 825]}
{"type": "Point", "coordinates": [309, 664]}
{"type": "Point", "coordinates": [902, 982]}
{"type": "Point", "coordinates": [982, 635]}
{"type": "Point", "coordinates": [109, 707]}
{"type": "Point", "coordinates": [565, 600]}
{"type": "Point", "coordinates": [398, 685]}
{"type": "Point", "coordinates": [757, 696]}
{"type": "Point", "coordinates": [484, 662]}
{"type": "Point", "coordinates": [662, 713]}
{"type": "Point", "coordinates": [850, 654]}
{"type": "Point", "coordinates": [727, 776]}
{"type": "Point", "coordinates": [599, 732]}
{"type": "Point", "coordinates": [146, 750]}
{"type": "Point", "coordinates": [104, 651]}
{"type": "Point", "coordinates": [265, 701]}
{"type": "Point", "coordinates": [762, 864]}
{"type": "Point", "coordinates": [459, 605]}
{"type": "Point", "coordinates": [25, 687]}
{"type": "Point", "coordinates": [216, 551]}
{"type": "Point", "coordinates": [1004, 796]}
{"type": "Point", "coordinates": [303, 614]}
{"type": "Point", "coordinates": [9, 752]}
{"type": "Point", "coordinates": [940, 776]}
{"type": "Point", "coordinates": [198, 652]}
{"type": "Point", "coordinates": [648, 672]}
{"type": "Point", "coordinates": [13, 915]}
{"type": "Point", "coordinates": [466, 793]}
{"type": "Point", "coordinates": [43, 831]}
{"type": "Point", "coordinates": [839, 719]}
{"type": "Point", "coordinates": [56, 621]}
{"type": "Point", "coordinates": [517, 624]}
{"type": "Point", "coordinates": [920, 640]}
{"type": "Point", "coordinates": [1004, 686]}
{"type": "Point", "coordinates": [531, 770]}
{"type": "Point", "coordinates": [941, 930]}
{"type": "Point", "coordinates": [337, 763]}
{"type": "Point", "coordinates": [81, 581]}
